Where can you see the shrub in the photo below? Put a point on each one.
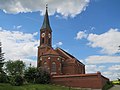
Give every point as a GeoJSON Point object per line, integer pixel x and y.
{"type": "Point", "coordinates": [107, 86]}
{"type": "Point", "coordinates": [42, 77]}
{"type": "Point", "coordinates": [35, 75]}
{"type": "Point", "coordinates": [30, 74]}
{"type": "Point", "coordinates": [16, 80]}
{"type": "Point", "coordinates": [19, 80]}
{"type": "Point", "coordinates": [3, 78]}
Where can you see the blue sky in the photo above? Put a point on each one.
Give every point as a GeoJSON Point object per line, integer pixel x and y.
{"type": "Point", "coordinates": [88, 29]}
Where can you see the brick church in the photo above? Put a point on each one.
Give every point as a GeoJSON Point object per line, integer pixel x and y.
{"type": "Point", "coordinates": [64, 68]}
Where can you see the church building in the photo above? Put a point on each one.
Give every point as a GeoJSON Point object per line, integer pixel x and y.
{"type": "Point", "coordinates": [64, 68]}
{"type": "Point", "coordinates": [56, 61]}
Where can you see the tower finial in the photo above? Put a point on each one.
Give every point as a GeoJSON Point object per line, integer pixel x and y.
{"type": "Point", "coordinates": [46, 6]}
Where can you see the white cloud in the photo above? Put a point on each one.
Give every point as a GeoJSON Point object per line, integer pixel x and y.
{"type": "Point", "coordinates": [57, 44]}
{"type": "Point", "coordinates": [80, 35]}
{"type": "Point", "coordinates": [93, 68]}
{"type": "Point", "coordinates": [96, 59]}
{"type": "Point", "coordinates": [108, 41]}
{"type": "Point", "coordinates": [115, 67]}
{"type": "Point", "coordinates": [74, 7]}
{"type": "Point", "coordinates": [112, 75]}
{"type": "Point", "coordinates": [92, 28]}
{"type": "Point", "coordinates": [18, 45]}
{"type": "Point", "coordinates": [17, 27]}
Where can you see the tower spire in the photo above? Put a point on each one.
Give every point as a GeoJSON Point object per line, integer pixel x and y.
{"type": "Point", "coordinates": [46, 24]}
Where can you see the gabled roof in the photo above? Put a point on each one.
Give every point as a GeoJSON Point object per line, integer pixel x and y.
{"type": "Point", "coordinates": [68, 55]}
{"type": "Point", "coordinates": [65, 53]}
{"type": "Point", "coordinates": [51, 52]}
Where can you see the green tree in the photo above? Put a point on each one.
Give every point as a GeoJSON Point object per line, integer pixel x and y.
{"type": "Point", "coordinates": [42, 76]}
{"type": "Point", "coordinates": [37, 75]}
{"type": "Point", "coordinates": [30, 74]}
{"type": "Point", "coordinates": [3, 76]}
{"type": "Point", "coordinates": [15, 71]}
{"type": "Point", "coordinates": [1, 59]}
{"type": "Point", "coordinates": [15, 67]}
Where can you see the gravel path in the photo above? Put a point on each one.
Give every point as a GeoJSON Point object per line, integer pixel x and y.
{"type": "Point", "coordinates": [116, 87]}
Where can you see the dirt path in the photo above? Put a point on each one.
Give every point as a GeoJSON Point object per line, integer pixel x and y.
{"type": "Point", "coordinates": [116, 87]}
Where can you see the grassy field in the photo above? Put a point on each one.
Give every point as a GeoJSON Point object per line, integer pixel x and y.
{"type": "Point", "coordinates": [33, 87]}
{"type": "Point", "coordinates": [116, 82]}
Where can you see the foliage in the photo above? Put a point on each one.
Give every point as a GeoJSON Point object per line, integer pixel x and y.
{"type": "Point", "coordinates": [42, 76]}
{"type": "Point", "coordinates": [107, 86]}
{"type": "Point", "coordinates": [119, 79]}
{"type": "Point", "coordinates": [1, 59]}
{"type": "Point", "coordinates": [35, 75]}
{"type": "Point", "coordinates": [30, 74]}
{"type": "Point", "coordinates": [3, 78]}
{"type": "Point", "coordinates": [15, 71]}
{"type": "Point", "coordinates": [14, 67]}
{"type": "Point", "coordinates": [116, 82]}
{"type": "Point", "coordinates": [34, 87]}
{"type": "Point", "coordinates": [17, 80]}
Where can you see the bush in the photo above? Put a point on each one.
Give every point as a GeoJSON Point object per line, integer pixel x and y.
{"type": "Point", "coordinates": [35, 75]}
{"type": "Point", "coordinates": [19, 80]}
{"type": "Point", "coordinates": [16, 80]}
{"type": "Point", "coordinates": [42, 77]}
{"type": "Point", "coordinates": [107, 86]}
{"type": "Point", "coordinates": [30, 74]}
{"type": "Point", "coordinates": [3, 78]}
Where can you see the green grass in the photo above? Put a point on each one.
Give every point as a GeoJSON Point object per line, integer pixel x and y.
{"type": "Point", "coordinates": [116, 82]}
{"type": "Point", "coordinates": [4, 86]}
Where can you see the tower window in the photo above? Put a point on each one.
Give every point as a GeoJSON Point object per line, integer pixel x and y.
{"type": "Point", "coordinates": [49, 41]}
{"type": "Point", "coordinates": [53, 69]}
{"type": "Point", "coordinates": [42, 40]}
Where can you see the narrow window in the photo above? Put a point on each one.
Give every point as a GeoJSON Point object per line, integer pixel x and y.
{"type": "Point", "coordinates": [53, 69]}
{"type": "Point", "coordinates": [49, 41]}
{"type": "Point", "coordinates": [42, 40]}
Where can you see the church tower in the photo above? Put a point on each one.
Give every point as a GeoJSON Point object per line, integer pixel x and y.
{"type": "Point", "coordinates": [45, 32]}
{"type": "Point", "coordinates": [45, 36]}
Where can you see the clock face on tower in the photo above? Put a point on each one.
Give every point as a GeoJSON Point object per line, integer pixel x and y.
{"type": "Point", "coordinates": [49, 35]}
{"type": "Point", "coordinates": [43, 34]}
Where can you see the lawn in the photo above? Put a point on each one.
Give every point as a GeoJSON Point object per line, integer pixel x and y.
{"type": "Point", "coordinates": [33, 87]}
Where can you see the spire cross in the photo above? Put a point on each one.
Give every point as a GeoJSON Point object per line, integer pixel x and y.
{"type": "Point", "coordinates": [46, 6]}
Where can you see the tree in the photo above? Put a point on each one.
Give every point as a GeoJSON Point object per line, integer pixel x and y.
{"type": "Point", "coordinates": [3, 76]}
{"type": "Point", "coordinates": [37, 75]}
{"type": "Point", "coordinates": [14, 67]}
{"type": "Point", "coordinates": [1, 59]}
{"type": "Point", "coordinates": [30, 74]}
{"type": "Point", "coordinates": [15, 71]}
{"type": "Point", "coordinates": [42, 76]}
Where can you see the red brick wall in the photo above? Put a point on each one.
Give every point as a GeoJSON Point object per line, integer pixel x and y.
{"type": "Point", "coordinates": [95, 81]}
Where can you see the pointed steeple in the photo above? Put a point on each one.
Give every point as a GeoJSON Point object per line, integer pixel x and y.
{"type": "Point", "coordinates": [46, 24]}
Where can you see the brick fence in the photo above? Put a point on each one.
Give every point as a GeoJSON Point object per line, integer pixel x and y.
{"type": "Point", "coordinates": [94, 81]}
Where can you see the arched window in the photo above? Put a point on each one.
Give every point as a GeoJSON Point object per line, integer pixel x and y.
{"type": "Point", "coordinates": [53, 69]}
{"type": "Point", "coordinates": [45, 64]}
{"type": "Point", "coordinates": [42, 40]}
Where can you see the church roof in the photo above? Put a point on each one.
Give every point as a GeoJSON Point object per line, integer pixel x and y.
{"type": "Point", "coordinates": [65, 53]}
{"type": "Point", "coordinates": [46, 24]}
{"type": "Point", "coordinates": [51, 52]}
{"type": "Point", "coordinates": [68, 55]}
